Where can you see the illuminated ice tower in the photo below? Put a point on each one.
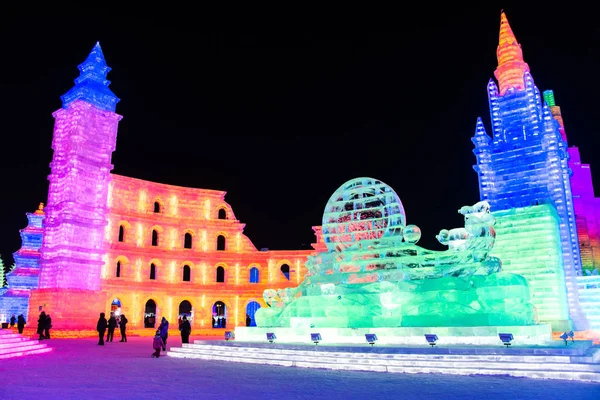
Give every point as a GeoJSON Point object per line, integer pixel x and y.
{"type": "Point", "coordinates": [24, 277]}
{"type": "Point", "coordinates": [85, 133]}
{"type": "Point", "coordinates": [523, 166]}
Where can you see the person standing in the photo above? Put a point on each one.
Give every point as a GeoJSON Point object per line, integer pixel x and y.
{"type": "Point", "coordinates": [164, 331]}
{"type": "Point", "coordinates": [185, 329]}
{"type": "Point", "coordinates": [112, 324]}
{"type": "Point", "coordinates": [21, 323]}
{"type": "Point", "coordinates": [47, 326]}
{"type": "Point", "coordinates": [12, 321]}
{"type": "Point", "coordinates": [101, 328]}
{"type": "Point", "coordinates": [123, 327]}
{"type": "Point", "coordinates": [41, 325]}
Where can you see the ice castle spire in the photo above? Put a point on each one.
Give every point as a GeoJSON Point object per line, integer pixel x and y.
{"type": "Point", "coordinates": [91, 85]}
{"type": "Point", "coordinates": [511, 66]}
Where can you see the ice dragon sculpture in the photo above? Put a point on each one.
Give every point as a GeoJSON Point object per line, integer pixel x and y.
{"type": "Point", "coordinates": [374, 273]}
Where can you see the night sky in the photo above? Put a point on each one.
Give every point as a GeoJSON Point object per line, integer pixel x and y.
{"type": "Point", "coordinates": [280, 118]}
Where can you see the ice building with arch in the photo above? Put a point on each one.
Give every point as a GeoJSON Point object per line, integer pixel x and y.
{"type": "Point", "coordinates": [128, 246]}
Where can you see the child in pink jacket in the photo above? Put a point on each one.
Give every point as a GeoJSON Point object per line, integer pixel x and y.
{"type": "Point", "coordinates": [157, 344]}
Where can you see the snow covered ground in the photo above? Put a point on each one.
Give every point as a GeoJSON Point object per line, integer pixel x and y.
{"type": "Point", "coordinates": [80, 369]}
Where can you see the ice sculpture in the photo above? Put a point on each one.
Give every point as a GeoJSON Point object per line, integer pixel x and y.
{"type": "Point", "coordinates": [373, 274]}
{"type": "Point", "coordinates": [525, 162]}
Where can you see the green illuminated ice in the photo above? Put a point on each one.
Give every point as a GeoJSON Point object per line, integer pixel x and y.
{"type": "Point", "coordinates": [374, 275]}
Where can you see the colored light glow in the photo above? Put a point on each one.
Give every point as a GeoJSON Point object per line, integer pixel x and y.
{"type": "Point", "coordinates": [374, 275]}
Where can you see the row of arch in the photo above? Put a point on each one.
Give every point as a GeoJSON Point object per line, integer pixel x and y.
{"type": "Point", "coordinates": [158, 208]}
{"type": "Point", "coordinates": [187, 239]}
{"type": "Point", "coordinates": [219, 313]}
{"type": "Point", "coordinates": [254, 273]}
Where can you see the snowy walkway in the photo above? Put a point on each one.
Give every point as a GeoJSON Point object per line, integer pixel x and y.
{"type": "Point", "coordinates": [80, 369]}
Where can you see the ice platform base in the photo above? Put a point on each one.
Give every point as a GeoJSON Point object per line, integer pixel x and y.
{"type": "Point", "coordinates": [478, 335]}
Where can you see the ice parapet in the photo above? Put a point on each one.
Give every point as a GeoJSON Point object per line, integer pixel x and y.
{"type": "Point", "coordinates": [374, 274]}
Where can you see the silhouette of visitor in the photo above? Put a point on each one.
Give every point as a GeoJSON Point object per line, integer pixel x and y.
{"type": "Point", "coordinates": [185, 329]}
{"type": "Point", "coordinates": [101, 328]}
{"type": "Point", "coordinates": [47, 327]}
{"type": "Point", "coordinates": [41, 325]}
{"type": "Point", "coordinates": [123, 327]}
{"type": "Point", "coordinates": [112, 324]}
{"type": "Point", "coordinates": [21, 323]}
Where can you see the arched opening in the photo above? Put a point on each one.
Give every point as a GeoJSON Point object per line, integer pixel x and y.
{"type": "Point", "coordinates": [115, 307]}
{"type": "Point", "coordinates": [118, 270]}
{"type": "Point", "coordinates": [187, 273]}
{"type": "Point", "coordinates": [156, 207]}
{"type": "Point", "coordinates": [220, 274]}
{"type": "Point", "coordinates": [154, 237]}
{"type": "Point", "coordinates": [250, 311]}
{"type": "Point", "coordinates": [121, 233]}
{"type": "Point", "coordinates": [254, 275]}
{"type": "Point", "coordinates": [187, 241]}
{"type": "Point", "coordinates": [219, 312]}
{"type": "Point", "coordinates": [150, 314]}
{"type": "Point", "coordinates": [152, 271]}
{"type": "Point", "coordinates": [285, 270]}
{"type": "Point", "coordinates": [221, 243]}
{"type": "Point", "coordinates": [222, 214]}
{"type": "Point", "coordinates": [185, 309]}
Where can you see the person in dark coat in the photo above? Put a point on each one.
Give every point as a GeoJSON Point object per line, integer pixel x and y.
{"type": "Point", "coordinates": [47, 327]}
{"type": "Point", "coordinates": [185, 329]}
{"type": "Point", "coordinates": [164, 331]}
{"type": "Point", "coordinates": [112, 324]}
{"type": "Point", "coordinates": [12, 320]}
{"type": "Point", "coordinates": [21, 323]}
{"type": "Point", "coordinates": [101, 328]}
{"type": "Point", "coordinates": [123, 326]}
{"type": "Point", "coordinates": [41, 325]}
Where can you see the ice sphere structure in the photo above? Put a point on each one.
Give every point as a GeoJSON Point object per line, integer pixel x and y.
{"type": "Point", "coordinates": [374, 275]}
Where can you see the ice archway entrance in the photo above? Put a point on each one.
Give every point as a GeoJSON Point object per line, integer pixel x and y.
{"type": "Point", "coordinates": [150, 314]}
{"type": "Point", "coordinates": [115, 307]}
{"type": "Point", "coordinates": [250, 311]}
{"type": "Point", "coordinates": [219, 312]}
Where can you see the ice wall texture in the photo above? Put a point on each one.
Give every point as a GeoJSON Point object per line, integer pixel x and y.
{"type": "Point", "coordinates": [525, 163]}
{"type": "Point", "coordinates": [85, 133]}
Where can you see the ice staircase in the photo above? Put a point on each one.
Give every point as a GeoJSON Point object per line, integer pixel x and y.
{"type": "Point", "coordinates": [578, 361]}
{"type": "Point", "coordinates": [13, 344]}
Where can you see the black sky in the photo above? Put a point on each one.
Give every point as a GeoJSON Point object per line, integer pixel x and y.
{"type": "Point", "coordinates": [280, 118]}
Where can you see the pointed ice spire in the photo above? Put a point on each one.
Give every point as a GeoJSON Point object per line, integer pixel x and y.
{"type": "Point", "coordinates": [91, 85]}
{"type": "Point", "coordinates": [481, 138]}
{"type": "Point", "coordinates": [511, 66]}
{"type": "Point", "coordinates": [94, 67]}
{"type": "Point", "coordinates": [506, 34]}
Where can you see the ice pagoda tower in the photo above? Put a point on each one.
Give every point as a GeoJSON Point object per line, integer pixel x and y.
{"type": "Point", "coordinates": [524, 175]}
{"type": "Point", "coordinates": [25, 276]}
{"type": "Point", "coordinates": [85, 133]}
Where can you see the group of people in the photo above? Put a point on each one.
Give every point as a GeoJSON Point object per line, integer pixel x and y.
{"type": "Point", "coordinates": [162, 333]}
{"type": "Point", "coordinates": [20, 321]}
{"type": "Point", "coordinates": [109, 325]}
